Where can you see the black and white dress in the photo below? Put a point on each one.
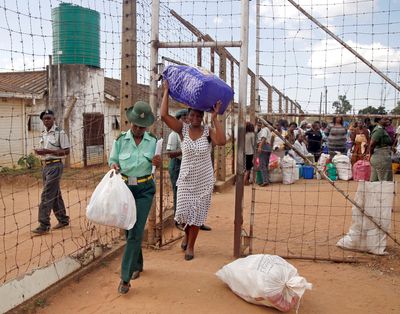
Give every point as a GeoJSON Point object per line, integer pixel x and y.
{"type": "Point", "coordinates": [196, 179]}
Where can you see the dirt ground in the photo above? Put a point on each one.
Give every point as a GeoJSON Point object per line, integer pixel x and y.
{"type": "Point", "coordinates": [169, 284]}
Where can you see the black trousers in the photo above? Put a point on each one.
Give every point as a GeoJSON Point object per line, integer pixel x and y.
{"type": "Point", "coordinates": [51, 198]}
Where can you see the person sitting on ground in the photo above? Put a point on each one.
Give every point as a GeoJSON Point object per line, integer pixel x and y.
{"type": "Point", "coordinates": [301, 147]}
{"type": "Point", "coordinates": [278, 145]}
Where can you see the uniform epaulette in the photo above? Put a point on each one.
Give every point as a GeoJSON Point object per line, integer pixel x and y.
{"type": "Point", "coordinates": [121, 134]}
{"type": "Point", "coordinates": [152, 135]}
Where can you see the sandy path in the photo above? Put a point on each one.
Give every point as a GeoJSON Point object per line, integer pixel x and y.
{"type": "Point", "coordinates": [169, 284]}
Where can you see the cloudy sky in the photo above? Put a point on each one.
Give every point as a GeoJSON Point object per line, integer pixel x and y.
{"type": "Point", "coordinates": [295, 55]}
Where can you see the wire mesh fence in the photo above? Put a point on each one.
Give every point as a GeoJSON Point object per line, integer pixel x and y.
{"type": "Point", "coordinates": [299, 70]}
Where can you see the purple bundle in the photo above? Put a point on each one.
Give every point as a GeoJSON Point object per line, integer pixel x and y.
{"type": "Point", "coordinates": [196, 88]}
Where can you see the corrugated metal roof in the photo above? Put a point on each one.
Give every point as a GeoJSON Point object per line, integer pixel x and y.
{"type": "Point", "coordinates": [19, 84]}
{"type": "Point", "coordinates": [33, 82]}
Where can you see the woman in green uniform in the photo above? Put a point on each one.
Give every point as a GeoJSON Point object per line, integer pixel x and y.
{"type": "Point", "coordinates": [132, 154]}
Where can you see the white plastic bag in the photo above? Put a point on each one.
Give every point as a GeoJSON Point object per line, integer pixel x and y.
{"type": "Point", "coordinates": [289, 170]}
{"type": "Point", "coordinates": [343, 167]}
{"type": "Point", "coordinates": [265, 280]}
{"type": "Point", "coordinates": [112, 203]}
{"type": "Point", "coordinates": [377, 200]}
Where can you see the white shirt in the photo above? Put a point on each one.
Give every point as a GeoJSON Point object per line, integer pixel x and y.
{"type": "Point", "coordinates": [264, 133]}
{"type": "Point", "coordinates": [54, 139]}
{"type": "Point", "coordinates": [174, 142]}
{"type": "Point", "coordinates": [302, 148]}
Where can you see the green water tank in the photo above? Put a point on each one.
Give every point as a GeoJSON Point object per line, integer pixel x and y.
{"type": "Point", "coordinates": [76, 35]}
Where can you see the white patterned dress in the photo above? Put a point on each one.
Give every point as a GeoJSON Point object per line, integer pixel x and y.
{"type": "Point", "coordinates": [196, 179]}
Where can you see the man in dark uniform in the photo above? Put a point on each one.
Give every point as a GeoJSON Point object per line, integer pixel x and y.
{"type": "Point", "coordinates": [54, 146]}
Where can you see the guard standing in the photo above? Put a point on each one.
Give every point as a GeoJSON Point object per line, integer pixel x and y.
{"type": "Point", "coordinates": [54, 146]}
{"type": "Point", "coordinates": [133, 155]}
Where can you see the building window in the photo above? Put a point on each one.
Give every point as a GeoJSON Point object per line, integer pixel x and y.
{"type": "Point", "coordinates": [34, 123]}
{"type": "Point", "coordinates": [115, 122]}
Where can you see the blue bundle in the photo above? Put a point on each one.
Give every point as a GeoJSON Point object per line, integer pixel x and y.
{"type": "Point", "coordinates": [197, 88]}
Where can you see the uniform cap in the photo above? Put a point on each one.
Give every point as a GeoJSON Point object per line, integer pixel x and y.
{"type": "Point", "coordinates": [48, 111]}
{"type": "Point", "coordinates": [140, 114]}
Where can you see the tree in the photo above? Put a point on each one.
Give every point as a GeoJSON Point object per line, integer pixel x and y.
{"type": "Point", "coordinates": [373, 110]}
{"type": "Point", "coordinates": [396, 109]}
{"type": "Point", "coordinates": [341, 106]}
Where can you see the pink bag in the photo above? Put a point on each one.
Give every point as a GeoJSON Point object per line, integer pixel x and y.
{"type": "Point", "coordinates": [361, 170]}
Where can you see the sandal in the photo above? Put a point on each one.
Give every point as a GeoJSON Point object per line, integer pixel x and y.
{"type": "Point", "coordinates": [123, 287]}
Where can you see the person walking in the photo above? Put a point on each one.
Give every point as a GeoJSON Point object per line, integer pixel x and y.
{"type": "Point", "coordinates": [133, 155]}
{"type": "Point", "coordinates": [380, 152]}
{"type": "Point", "coordinates": [54, 146]}
{"type": "Point", "coordinates": [175, 155]}
{"type": "Point", "coordinates": [196, 178]}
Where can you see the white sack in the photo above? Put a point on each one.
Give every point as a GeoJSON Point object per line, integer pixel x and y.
{"type": "Point", "coordinates": [112, 203]}
{"type": "Point", "coordinates": [265, 280]}
{"type": "Point", "coordinates": [377, 199]}
{"type": "Point", "coordinates": [289, 170]}
{"type": "Point", "coordinates": [343, 167]}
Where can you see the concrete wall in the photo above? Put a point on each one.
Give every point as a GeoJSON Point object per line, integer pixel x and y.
{"type": "Point", "coordinates": [84, 83]}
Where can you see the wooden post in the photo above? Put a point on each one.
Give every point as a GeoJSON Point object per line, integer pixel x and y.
{"type": "Point", "coordinates": [280, 103]}
{"type": "Point", "coordinates": [286, 104]}
{"type": "Point", "coordinates": [253, 99]}
{"type": "Point", "coordinates": [199, 54]}
{"type": "Point", "coordinates": [269, 99]}
{"type": "Point", "coordinates": [128, 87]}
{"type": "Point", "coordinates": [69, 107]}
{"type": "Point", "coordinates": [221, 153]}
{"type": "Point", "coordinates": [128, 65]}
{"type": "Point", "coordinates": [233, 117]}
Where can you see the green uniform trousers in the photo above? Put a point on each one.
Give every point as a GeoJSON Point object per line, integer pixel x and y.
{"type": "Point", "coordinates": [132, 259]}
{"type": "Point", "coordinates": [381, 165]}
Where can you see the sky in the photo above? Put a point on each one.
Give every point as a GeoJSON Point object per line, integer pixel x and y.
{"type": "Point", "coordinates": [295, 55]}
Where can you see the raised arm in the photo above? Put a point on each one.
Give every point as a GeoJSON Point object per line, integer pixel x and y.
{"type": "Point", "coordinates": [169, 120]}
{"type": "Point", "coordinates": [217, 134]}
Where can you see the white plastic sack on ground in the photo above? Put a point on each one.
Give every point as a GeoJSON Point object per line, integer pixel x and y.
{"type": "Point", "coordinates": [265, 280]}
{"type": "Point", "coordinates": [112, 203]}
{"type": "Point", "coordinates": [289, 170]}
{"type": "Point", "coordinates": [343, 167]}
{"type": "Point", "coordinates": [323, 160]}
{"type": "Point", "coordinates": [377, 200]}
{"type": "Point", "coordinates": [275, 175]}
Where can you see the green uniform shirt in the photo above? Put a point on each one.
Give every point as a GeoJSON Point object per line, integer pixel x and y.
{"type": "Point", "coordinates": [381, 137]}
{"type": "Point", "coordinates": [134, 160]}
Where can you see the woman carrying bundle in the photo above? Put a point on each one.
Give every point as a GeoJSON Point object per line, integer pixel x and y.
{"type": "Point", "coordinates": [196, 177]}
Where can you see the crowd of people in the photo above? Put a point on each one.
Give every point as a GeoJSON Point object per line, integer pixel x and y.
{"type": "Point", "coordinates": [359, 140]}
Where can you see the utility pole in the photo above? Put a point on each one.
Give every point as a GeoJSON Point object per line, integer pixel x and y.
{"type": "Point", "coordinates": [326, 100]}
